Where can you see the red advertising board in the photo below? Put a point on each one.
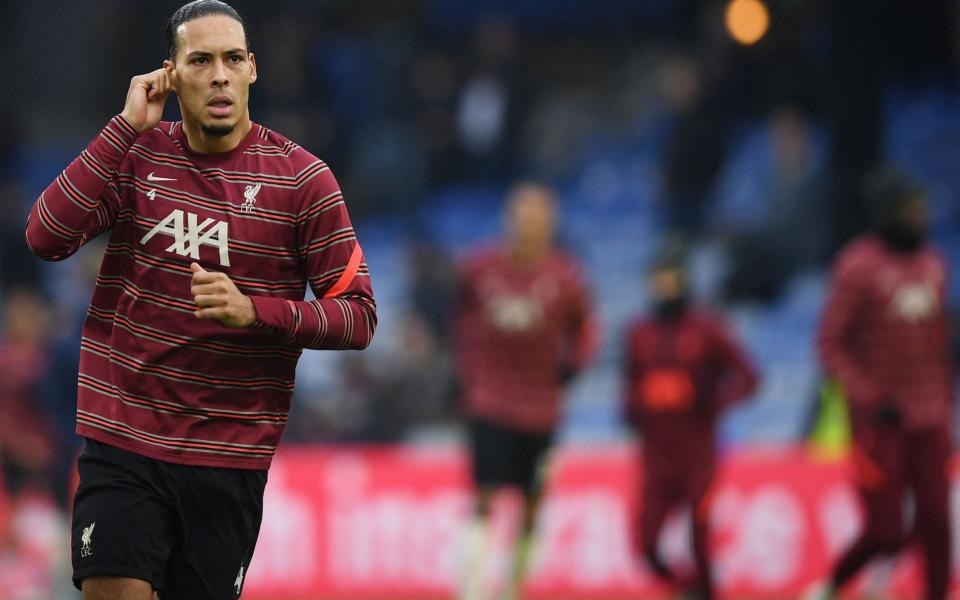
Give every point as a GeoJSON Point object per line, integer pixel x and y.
{"type": "Point", "coordinates": [388, 523]}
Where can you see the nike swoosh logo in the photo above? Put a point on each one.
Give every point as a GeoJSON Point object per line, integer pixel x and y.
{"type": "Point", "coordinates": [152, 177]}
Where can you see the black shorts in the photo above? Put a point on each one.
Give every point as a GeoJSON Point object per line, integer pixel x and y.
{"type": "Point", "coordinates": [189, 531]}
{"type": "Point", "coordinates": [507, 457]}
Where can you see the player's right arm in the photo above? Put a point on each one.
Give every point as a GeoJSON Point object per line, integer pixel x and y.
{"type": "Point", "coordinates": [837, 327]}
{"type": "Point", "coordinates": [83, 201]}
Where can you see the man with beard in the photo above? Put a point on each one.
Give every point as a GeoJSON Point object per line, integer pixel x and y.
{"type": "Point", "coordinates": [885, 338]}
{"type": "Point", "coordinates": [190, 345]}
{"type": "Point", "coordinates": [683, 369]}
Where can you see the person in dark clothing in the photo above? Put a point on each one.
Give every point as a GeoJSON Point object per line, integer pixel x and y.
{"type": "Point", "coordinates": [683, 369]}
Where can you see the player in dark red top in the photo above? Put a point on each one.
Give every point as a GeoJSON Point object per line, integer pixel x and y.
{"type": "Point", "coordinates": [217, 225]}
{"type": "Point", "coordinates": [682, 371]}
{"type": "Point", "coordinates": [523, 330]}
{"type": "Point", "coordinates": [885, 337]}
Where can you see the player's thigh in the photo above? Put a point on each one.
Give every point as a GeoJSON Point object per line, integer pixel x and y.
{"type": "Point", "coordinates": [122, 526]}
{"type": "Point", "coordinates": [531, 460]}
{"type": "Point", "coordinates": [219, 522]}
{"type": "Point", "coordinates": [879, 468]}
{"type": "Point", "coordinates": [928, 456]}
{"type": "Point", "coordinates": [117, 588]}
{"type": "Point", "coordinates": [491, 452]}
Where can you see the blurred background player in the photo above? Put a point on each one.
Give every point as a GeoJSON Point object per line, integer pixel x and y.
{"type": "Point", "coordinates": [682, 369]}
{"type": "Point", "coordinates": [884, 337]}
{"type": "Point", "coordinates": [523, 331]}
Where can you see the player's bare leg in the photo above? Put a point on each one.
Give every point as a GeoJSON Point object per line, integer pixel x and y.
{"type": "Point", "coordinates": [523, 548]}
{"type": "Point", "coordinates": [477, 547]}
{"type": "Point", "coordinates": [117, 588]}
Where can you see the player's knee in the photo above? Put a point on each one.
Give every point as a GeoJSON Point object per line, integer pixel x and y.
{"type": "Point", "coordinates": [484, 502]}
{"type": "Point", "coordinates": [648, 546]}
{"type": "Point", "coordinates": [531, 508]}
{"type": "Point", "coordinates": [655, 562]}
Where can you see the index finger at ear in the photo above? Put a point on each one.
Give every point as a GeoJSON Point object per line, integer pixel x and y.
{"type": "Point", "coordinates": [155, 77]}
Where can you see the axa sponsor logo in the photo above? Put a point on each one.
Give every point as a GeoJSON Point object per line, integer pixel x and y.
{"type": "Point", "coordinates": [188, 233]}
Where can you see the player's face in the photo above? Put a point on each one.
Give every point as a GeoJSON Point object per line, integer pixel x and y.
{"type": "Point", "coordinates": [914, 217]}
{"type": "Point", "coordinates": [213, 73]}
{"type": "Point", "coordinates": [667, 285]}
{"type": "Point", "coordinates": [531, 217]}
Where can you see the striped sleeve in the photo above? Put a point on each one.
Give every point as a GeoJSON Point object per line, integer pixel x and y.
{"type": "Point", "coordinates": [343, 315]}
{"type": "Point", "coordinates": [838, 326]}
{"type": "Point", "coordinates": [83, 201]}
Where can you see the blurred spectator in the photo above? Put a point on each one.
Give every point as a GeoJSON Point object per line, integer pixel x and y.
{"type": "Point", "coordinates": [416, 389]}
{"type": "Point", "coordinates": [789, 233]}
{"type": "Point", "coordinates": [17, 267]}
{"type": "Point", "coordinates": [434, 81]}
{"type": "Point", "coordinates": [432, 287]}
{"type": "Point", "coordinates": [27, 446]}
{"type": "Point", "coordinates": [696, 143]}
{"type": "Point", "coordinates": [489, 105]}
{"type": "Point", "coordinates": [59, 401]}
{"type": "Point", "coordinates": [335, 405]}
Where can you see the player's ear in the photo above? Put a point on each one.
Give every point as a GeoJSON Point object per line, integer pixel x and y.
{"type": "Point", "coordinates": [171, 69]}
{"type": "Point", "coordinates": [253, 68]}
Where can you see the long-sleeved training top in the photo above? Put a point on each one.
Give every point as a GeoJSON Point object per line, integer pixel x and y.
{"type": "Point", "coordinates": [156, 380]}
{"type": "Point", "coordinates": [885, 333]}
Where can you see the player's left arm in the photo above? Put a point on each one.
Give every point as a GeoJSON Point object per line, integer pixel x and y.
{"type": "Point", "coordinates": [343, 315]}
{"type": "Point", "coordinates": [739, 379]}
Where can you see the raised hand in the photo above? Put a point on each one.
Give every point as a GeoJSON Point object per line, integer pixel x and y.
{"type": "Point", "coordinates": [146, 97]}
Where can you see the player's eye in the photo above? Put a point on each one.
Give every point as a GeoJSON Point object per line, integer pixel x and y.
{"type": "Point", "coordinates": [199, 60]}
{"type": "Point", "coordinates": [235, 59]}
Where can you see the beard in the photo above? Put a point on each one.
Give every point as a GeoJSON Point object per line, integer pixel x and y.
{"type": "Point", "coordinates": [672, 308]}
{"type": "Point", "coordinates": [217, 130]}
{"type": "Point", "coordinates": [902, 238]}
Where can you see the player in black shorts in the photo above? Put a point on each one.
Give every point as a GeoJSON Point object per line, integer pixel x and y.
{"type": "Point", "coordinates": [505, 457]}
{"type": "Point", "coordinates": [184, 529]}
{"type": "Point", "coordinates": [217, 226]}
{"type": "Point", "coordinates": [524, 329]}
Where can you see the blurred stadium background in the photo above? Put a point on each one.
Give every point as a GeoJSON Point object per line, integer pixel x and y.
{"type": "Point", "coordinates": [648, 117]}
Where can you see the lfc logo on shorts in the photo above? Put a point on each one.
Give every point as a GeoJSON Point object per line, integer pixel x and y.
{"type": "Point", "coordinates": [87, 548]}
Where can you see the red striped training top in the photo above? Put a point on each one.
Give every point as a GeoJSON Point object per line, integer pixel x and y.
{"type": "Point", "coordinates": [156, 380]}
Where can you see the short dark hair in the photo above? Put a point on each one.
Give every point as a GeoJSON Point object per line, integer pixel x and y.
{"type": "Point", "coordinates": [195, 10]}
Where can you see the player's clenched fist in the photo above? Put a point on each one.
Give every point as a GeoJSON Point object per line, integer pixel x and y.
{"type": "Point", "coordinates": [218, 299]}
{"type": "Point", "coordinates": [146, 97]}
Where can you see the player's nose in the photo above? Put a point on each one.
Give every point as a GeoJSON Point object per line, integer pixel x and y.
{"type": "Point", "coordinates": [219, 74]}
